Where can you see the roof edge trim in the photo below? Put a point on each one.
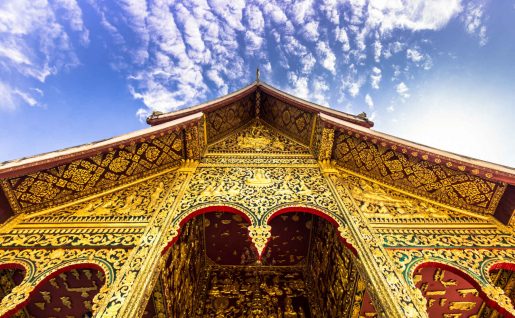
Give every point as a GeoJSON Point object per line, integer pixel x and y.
{"type": "Point", "coordinates": [157, 119]}
{"type": "Point", "coordinates": [487, 170]}
{"type": "Point", "coordinates": [215, 103]}
{"type": "Point", "coordinates": [299, 102]}
{"type": "Point", "coordinates": [23, 166]}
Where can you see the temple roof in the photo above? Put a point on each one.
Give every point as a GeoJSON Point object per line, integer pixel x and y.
{"type": "Point", "coordinates": [35, 183]}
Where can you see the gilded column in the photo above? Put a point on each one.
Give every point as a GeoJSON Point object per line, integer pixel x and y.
{"type": "Point", "coordinates": [128, 296]}
{"type": "Point", "coordinates": [397, 298]}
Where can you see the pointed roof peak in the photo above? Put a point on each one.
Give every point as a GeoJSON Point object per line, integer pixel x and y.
{"type": "Point", "coordinates": [159, 118]}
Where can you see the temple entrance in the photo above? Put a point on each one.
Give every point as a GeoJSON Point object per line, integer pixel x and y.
{"type": "Point", "coordinates": [213, 270]}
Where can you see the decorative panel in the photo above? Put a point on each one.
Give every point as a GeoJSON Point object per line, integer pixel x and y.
{"type": "Point", "coordinates": [417, 176]}
{"type": "Point", "coordinates": [81, 177]}
{"type": "Point", "coordinates": [224, 120]}
{"type": "Point", "coordinates": [258, 138]}
{"type": "Point", "coordinates": [381, 204]}
{"type": "Point", "coordinates": [293, 121]}
{"type": "Point", "coordinates": [135, 203]}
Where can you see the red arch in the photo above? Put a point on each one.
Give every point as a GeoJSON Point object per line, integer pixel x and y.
{"type": "Point", "coordinates": [317, 213]}
{"type": "Point", "coordinates": [508, 266]}
{"type": "Point", "coordinates": [212, 208]}
{"type": "Point", "coordinates": [471, 281]}
{"type": "Point", "coordinates": [49, 277]}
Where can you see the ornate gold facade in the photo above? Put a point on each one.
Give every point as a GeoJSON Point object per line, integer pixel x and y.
{"type": "Point", "coordinates": [257, 205]}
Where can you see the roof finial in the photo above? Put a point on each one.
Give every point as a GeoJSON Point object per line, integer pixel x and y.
{"type": "Point", "coordinates": [257, 74]}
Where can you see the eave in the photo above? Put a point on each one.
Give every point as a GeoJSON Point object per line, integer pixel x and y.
{"type": "Point", "coordinates": [484, 169]}
{"type": "Point", "coordinates": [14, 168]}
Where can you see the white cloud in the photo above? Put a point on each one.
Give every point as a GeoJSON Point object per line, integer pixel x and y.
{"type": "Point", "coordinates": [402, 90]}
{"type": "Point", "coordinates": [473, 20]}
{"type": "Point", "coordinates": [215, 77]}
{"type": "Point", "coordinates": [192, 36]}
{"type": "Point", "coordinates": [327, 57]}
{"type": "Point", "coordinates": [73, 13]}
{"type": "Point", "coordinates": [353, 88]}
{"type": "Point", "coordinates": [369, 101]}
{"type": "Point", "coordinates": [319, 91]}
{"type": "Point", "coordinates": [377, 50]}
{"type": "Point", "coordinates": [231, 11]}
{"type": "Point", "coordinates": [308, 61]}
{"type": "Point", "coordinates": [341, 36]}
{"type": "Point", "coordinates": [253, 41]}
{"type": "Point", "coordinates": [26, 97]}
{"type": "Point", "coordinates": [414, 55]}
{"type": "Point", "coordinates": [34, 44]}
{"type": "Point", "coordinates": [255, 19]}
{"type": "Point", "coordinates": [302, 11]}
{"type": "Point", "coordinates": [299, 85]}
{"type": "Point", "coordinates": [330, 10]}
{"type": "Point", "coordinates": [311, 31]}
{"type": "Point", "coordinates": [275, 12]}
{"type": "Point", "coordinates": [412, 14]}
{"type": "Point", "coordinates": [375, 77]}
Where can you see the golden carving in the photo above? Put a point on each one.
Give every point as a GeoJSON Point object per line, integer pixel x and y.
{"type": "Point", "coordinates": [326, 144]}
{"type": "Point", "coordinates": [222, 121]}
{"type": "Point", "coordinates": [43, 262]}
{"type": "Point", "coordinates": [291, 120]}
{"type": "Point", "coordinates": [379, 203]}
{"type": "Point", "coordinates": [259, 180]}
{"type": "Point", "coordinates": [410, 304]}
{"type": "Point", "coordinates": [462, 305]}
{"type": "Point", "coordinates": [468, 291]}
{"type": "Point", "coordinates": [257, 137]}
{"type": "Point", "coordinates": [260, 236]}
{"type": "Point", "coordinates": [235, 187]}
{"type": "Point", "coordinates": [433, 181]}
{"type": "Point", "coordinates": [82, 177]}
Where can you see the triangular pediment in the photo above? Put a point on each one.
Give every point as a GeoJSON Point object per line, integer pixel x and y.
{"type": "Point", "coordinates": [256, 138]}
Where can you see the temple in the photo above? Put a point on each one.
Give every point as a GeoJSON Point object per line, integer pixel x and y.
{"type": "Point", "coordinates": [256, 204]}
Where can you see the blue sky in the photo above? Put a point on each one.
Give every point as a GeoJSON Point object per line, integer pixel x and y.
{"type": "Point", "coordinates": [441, 72]}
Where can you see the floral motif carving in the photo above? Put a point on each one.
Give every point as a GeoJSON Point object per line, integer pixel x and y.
{"type": "Point", "coordinates": [381, 204]}
{"type": "Point", "coordinates": [236, 186]}
{"type": "Point", "coordinates": [224, 120]}
{"type": "Point", "coordinates": [291, 120]}
{"type": "Point", "coordinates": [433, 181]}
{"type": "Point", "coordinates": [82, 177]}
{"type": "Point", "coordinates": [40, 263]}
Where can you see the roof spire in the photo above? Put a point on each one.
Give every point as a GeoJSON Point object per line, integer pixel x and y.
{"type": "Point", "coordinates": [257, 74]}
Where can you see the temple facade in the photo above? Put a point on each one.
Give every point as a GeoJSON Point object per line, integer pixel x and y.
{"type": "Point", "coordinates": [256, 204]}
